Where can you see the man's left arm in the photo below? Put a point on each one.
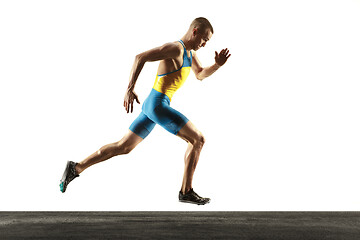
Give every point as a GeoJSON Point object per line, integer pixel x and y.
{"type": "Point", "coordinates": [220, 59]}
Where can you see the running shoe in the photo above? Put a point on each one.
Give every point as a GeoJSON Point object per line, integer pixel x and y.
{"type": "Point", "coordinates": [193, 197]}
{"type": "Point", "coordinates": [68, 176]}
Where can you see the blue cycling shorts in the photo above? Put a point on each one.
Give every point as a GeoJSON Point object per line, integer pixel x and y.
{"type": "Point", "coordinates": [156, 110]}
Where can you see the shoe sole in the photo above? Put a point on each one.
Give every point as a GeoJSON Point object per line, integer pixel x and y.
{"type": "Point", "coordinates": [197, 203]}
{"type": "Point", "coordinates": [62, 181]}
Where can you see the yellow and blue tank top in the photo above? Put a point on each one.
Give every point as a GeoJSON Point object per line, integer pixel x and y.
{"type": "Point", "coordinates": [169, 83]}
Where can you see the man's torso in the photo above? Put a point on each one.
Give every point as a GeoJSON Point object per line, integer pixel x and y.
{"type": "Point", "coordinates": [173, 72]}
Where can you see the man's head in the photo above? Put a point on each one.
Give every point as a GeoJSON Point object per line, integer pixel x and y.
{"type": "Point", "coordinates": [201, 31]}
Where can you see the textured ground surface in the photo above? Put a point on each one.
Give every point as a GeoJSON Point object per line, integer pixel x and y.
{"type": "Point", "coordinates": [180, 225]}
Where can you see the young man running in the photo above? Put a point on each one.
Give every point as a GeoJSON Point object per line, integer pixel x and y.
{"type": "Point", "coordinates": [176, 60]}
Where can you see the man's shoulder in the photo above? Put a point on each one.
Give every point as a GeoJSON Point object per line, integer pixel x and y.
{"type": "Point", "coordinates": [175, 47]}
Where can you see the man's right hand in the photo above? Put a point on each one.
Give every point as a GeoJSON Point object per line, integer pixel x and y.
{"type": "Point", "coordinates": [130, 96]}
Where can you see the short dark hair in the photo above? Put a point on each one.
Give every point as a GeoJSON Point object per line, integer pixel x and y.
{"type": "Point", "coordinates": [202, 24]}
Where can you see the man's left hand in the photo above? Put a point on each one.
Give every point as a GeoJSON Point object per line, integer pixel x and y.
{"type": "Point", "coordinates": [222, 57]}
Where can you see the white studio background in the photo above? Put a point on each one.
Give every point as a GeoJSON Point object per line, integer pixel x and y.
{"type": "Point", "coordinates": [281, 118]}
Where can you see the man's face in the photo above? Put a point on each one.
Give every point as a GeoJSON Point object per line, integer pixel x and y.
{"type": "Point", "coordinates": [200, 39]}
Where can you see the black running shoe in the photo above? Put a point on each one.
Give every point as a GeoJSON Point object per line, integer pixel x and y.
{"type": "Point", "coordinates": [193, 197]}
{"type": "Point", "coordinates": [68, 176]}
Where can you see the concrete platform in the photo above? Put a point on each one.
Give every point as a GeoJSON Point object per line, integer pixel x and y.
{"type": "Point", "coordinates": [181, 225]}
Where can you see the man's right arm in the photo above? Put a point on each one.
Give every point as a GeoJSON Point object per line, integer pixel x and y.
{"type": "Point", "coordinates": [166, 51]}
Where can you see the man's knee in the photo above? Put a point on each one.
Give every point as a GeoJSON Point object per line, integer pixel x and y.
{"type": "Point", "coordinates": [123, 149]}
{"type": "Point", "coordinates": [191, 135]}
{"type": "Point", "coordinates": [114, 149]}
{"type": "Point", "coordinates": [200, 140]}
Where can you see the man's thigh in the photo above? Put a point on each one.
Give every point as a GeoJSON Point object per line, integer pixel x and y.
{"type": "Point", "coordinates": [142, 126]}
{"type": "Point", "coordinates": [169, 118]}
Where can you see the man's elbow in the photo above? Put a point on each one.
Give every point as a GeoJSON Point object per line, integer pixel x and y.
{"type": "Point", "coordinates": [140, 58]}
{"type": "Point", "coordinates": [199, 75]}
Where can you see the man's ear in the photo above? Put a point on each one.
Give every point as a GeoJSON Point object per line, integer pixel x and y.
{"type": "Point", "coordinates": [195, 31]}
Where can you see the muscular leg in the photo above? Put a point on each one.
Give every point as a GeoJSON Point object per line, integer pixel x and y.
{"type": "Point", "coordinates": [195, 141]}
{"type": "Point", "coordinates": [124, 146]}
